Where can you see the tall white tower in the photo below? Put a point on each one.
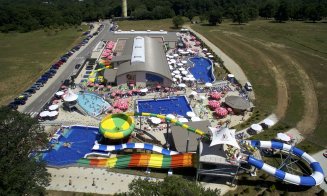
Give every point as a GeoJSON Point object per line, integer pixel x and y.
{"type": "Point", "coordinates": [124, 8]}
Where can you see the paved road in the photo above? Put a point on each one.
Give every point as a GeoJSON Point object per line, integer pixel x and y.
{"type": "Point", "coordinates": [42, 96]}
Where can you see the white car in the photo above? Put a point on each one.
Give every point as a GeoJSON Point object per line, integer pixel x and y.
{"type": "Point", "coordinates": [248, 86]}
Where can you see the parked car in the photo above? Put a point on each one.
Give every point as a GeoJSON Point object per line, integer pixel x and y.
{"type": "Point", "coordinates": [41, 80]}
{"type": "Point", "coordinates": [39, 84]}
{"type": "Point", "coordinates": [31, 90]}
{"type": "Point", "coordinates": [27, 94]}
{"type": "Point", "coordinates": [13, 105]}
{"type": "Point", "coordinates": [36, 87]}
{"type": "Point", "coordinates": [248, 86]}
{"type": "Point", "coordinates": [21, 97]}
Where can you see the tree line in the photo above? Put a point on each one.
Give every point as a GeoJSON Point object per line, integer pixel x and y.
{"type": "Point", "coordinates": [28, 15]}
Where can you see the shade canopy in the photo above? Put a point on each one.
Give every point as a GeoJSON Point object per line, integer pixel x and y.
{"type": "Point", "coordinates": [144, 90]}
{"type": "Point", "coordinates": [223, 136]}
{"type": "Point", "coordinates": [256, 127]}
{"type": "Point", "coordinates": [176, 72]}
{"type": "Point", "coordinates": [237, 102]}
{"type": "Point", "coordinates": [184, 62]}
{"type": "Point", "coordinates": [155, 120]}
{"type": "Point", "coordinates": [230, 76]}
{"type": "Point", "coordinates": [283, 137]}
{"type": "Point", "coordinates": [182, 85]}
{"type": "Point", "coordinates": [71, 96]}
{"type": "Point", "coordinates": [44, 114]}
{"type": "Point", "coordinates": [180, 64]}
{"type": "Point", "coordinates": [53, 113]}
{"type": "Point", "coordinates": [53, 107]}
{"type": "Point", "coordinates": [178, 76]}
{"type": "Point", "coordinates": [181, 69]}
{"type": "Point", "coordinates": [170, 116]}
{"type": "Point", "coordinates": [194, 93]}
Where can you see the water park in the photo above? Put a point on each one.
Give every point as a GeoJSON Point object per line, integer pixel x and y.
{"type": "Point", "coordinates": [152, 102]}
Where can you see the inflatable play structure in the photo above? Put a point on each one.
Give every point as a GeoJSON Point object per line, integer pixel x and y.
{"type": "Point", "coordinates": [119, 126]}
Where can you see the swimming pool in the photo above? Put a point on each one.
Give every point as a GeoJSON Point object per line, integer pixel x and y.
{"type": "Point", "coordinates": [80, 139]}
{"type": "Point", "coordinates": [202, 69]}
{"type": "Point", "coordinates": [174, 105]}
{"type": "Point", "coordinates": [92, 104]}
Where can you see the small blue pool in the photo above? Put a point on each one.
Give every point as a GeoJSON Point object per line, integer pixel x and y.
{"type": "Point", "coordinates": [92, 104]}
{"type": "Point", "coordinates": [80, 141]}
{"type": "Point", "coordinates": [202, 69]}
{"type": "Point", "coordinates": [173, 105]}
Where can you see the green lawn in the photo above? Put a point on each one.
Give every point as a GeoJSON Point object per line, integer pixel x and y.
{"type": "Point", "coordinates": [25, 56]}
{"type": "Point", "coordinates": [259, 45]}
{"type": "Point", "coordinates": [154, 25]}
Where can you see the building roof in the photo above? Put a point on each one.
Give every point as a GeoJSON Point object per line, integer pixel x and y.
{"type": "Point", "coordinates": [155, 59]}
{"type": "Point", "coordinates": [180, 135]}
{"type": "Point", "coordinates": [212, 155]}
{"type": "Point", "coordinates": [237, 102]}
{"type": "Point", "coordinates": [110, 75]}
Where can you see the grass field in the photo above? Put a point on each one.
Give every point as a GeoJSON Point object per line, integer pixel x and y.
{"type": "Point", "coordinates": [155, 25]}
{"type": "Point", "coordinates": [25, 56]}
{"type": "Point", "coordinates": [277, 57]}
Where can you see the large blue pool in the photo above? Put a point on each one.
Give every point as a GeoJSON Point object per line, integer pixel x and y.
{"type": "Point", "coordinates": [173, 105]}
{"type": "Point", "coordinates": [202, 69]}
{"type": "Point", "coordinates": [81, 140]}
{"type": "Point", "coordinates": [92, 104]}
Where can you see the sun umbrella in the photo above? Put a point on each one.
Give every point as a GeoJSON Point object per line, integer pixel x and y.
{"type": "Point", "coordinates": [155, 120]}
{"type": "Point", "coordinates": [44, 114]}
{"type": "Point", "coordinates": [172, 73]}
{"type": "Point", "coordinates": [230, 76]}
{"type": "Point", "coordinates": [221, 112]}
{"type": "Point", "coordinates": [184, 62]}
{"type": "Point", "coordinates": [171, 116]}
{"type": "Point", "coordinates": [194, 93]}
{"type": "Point", "coordinates": [192, 79]}
{"type": "Point", "coordinates": [181, 69]}
{"type": "Point", "coordinates": [171, 68]}
{"type": "Point", "coordinates": [215, 95]}
{"type": "Point", "coordinates": [182, 120]}
{"type": "Point", "coordinates": [208, 53]}
{"type": "Point", "coordinates": [210, 56]}
{"type": "Point", "coordinates": [190, 114]}
{"type": "Point", "coordinates": [178, 76]}
{"type": "Point", "coordinates": [60, 93]}
{"type": "Point", "coordinates": [144, 90]}
{"type": "Point", "coordinates": [171, 56]}
{"type": "Point", "coordinates": [213, 104]}
{"type": "Point", "coordinates": [205, 49]}
{"type": "Point", "coordinates": [283, 137]}
{"type": "Point", "coordinates": [186, 79]}
{"type": "Point", "coordinates": [208, 84]}
{"type": "Point", "coordinates": [71, 96]}
{"type": "Point", "coordinates": [174, 79]}
{"type": "Point", "coordinates": [53, 107]}
{"type": "Point", "coordinates": [197, 43]}
{"type": "Point", "coordinates": [175, 55]}
{"type": "Point", "coordinates": [256, 127]}
{"type": "Point", "coordinates": [172, 61]}
{"type": "Point", "coordinates": [176, 72]}
{"type": "Point", "coordinates": [180, 64]}
{"type": "Point", "coordinates": [115, 111]}
{"type": "Point", "coordinates": [195, 119]}
{"type": "Point", "coordinates": [182, 85]}
{"type": "Point", "coordinates": [184, 72]}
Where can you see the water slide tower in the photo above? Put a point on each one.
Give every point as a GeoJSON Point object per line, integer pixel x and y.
{"type": "Point", "coordinates": [124, 8]}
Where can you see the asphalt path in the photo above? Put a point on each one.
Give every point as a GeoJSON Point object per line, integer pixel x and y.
{"type": "Point", "coordinates": [67, 69]}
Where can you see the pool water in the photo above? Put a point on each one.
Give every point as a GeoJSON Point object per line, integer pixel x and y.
{"type": "Point", "coordinates": [202, 69]}
{"type": "Point", "coordinates": [173, 105]}
{"type": "Point", "coordinates": [92, 104]}
{"type": "Point", "coordinates": [81, 140]}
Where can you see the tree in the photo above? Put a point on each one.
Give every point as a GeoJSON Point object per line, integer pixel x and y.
{"type": "Point", "coordinates": [240, 15]}
{"type": "Point", "coordinates": [268, 10]}
{"type": "Point", "coordinates": [171, 185]}
{"type": "Point", "coordinates": [178, 21]}
{"type": "Point", "coordinates": [20, 174]}
{"type": "Point", "coordinates": [282, 12]}
{"type": "Point", "coordinates": [313, 13]}
{"type": "Point", "coordinates": [214, 17]}
{"type": "Point", "coordinates": [190, 14]}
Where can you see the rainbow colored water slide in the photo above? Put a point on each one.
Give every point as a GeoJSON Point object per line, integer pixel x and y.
{"type": "Point", "coordinates": [143, 160]}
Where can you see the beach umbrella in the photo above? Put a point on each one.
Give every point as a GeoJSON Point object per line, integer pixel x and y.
{"type": "Point", "coordinates": [180, 64]}
{"type": "Point", "coordinates": [171, 116]}
{"type": "Point", "coordinates": [190, 114]}
{"type": "Point", "coordinates": [53, 107]}
{"type": "Point", "coordinates": [184, 72]}
{"type": "Point", "coordinates": [115, 111]}
{"type": "Point", "coordinates": [178, 76]}
{"type": "Point", "coordinates": [190, 75]}
{"type": "Point", "coordinates": [194, 93]}
{"type": "Point", "coordinates": [210, 56]}
{"type": "Point", "coordinates": [175, 55]}
{"type": "Point", "coordinates": [173, 61]}
{"type": "Point", "coordinates": [283, 137]}
{"type": "Point", "coordinates": [185, 52]}
{"type": "Point", "coordinates": [181, 69]}
{"type": "Point", "coordinates": [60, 93]}
{"type": "Point", "coordinates": [197, 43]}
{"type": "Point", "coordinates": [167, 55]}
{"type": "Point", "coordinates": [171, 56]}
{"type": "Point", "coordinates": [155, 120]}
{"type": "Point", "coordinates": [172, 73]}
{"type": "Point", "coordinates": [186, 79]}
{"type": "Point", "coordinates": [144, 90]}
{"type": "Point", "coordinates": [176, 72]}
{"type": "Point", "coordinates": [192, 79]}
{"type": "Point", "coordinates": [256, 127]}
{"type": "Point", "coordinates": [208, 53]}
{"type": "Point", "coordinates": [195, 119]}
{"type": "Point", "coordinates": [168, 59]}
{"type": "Point", "coordinates": [44, 114]}
{"type": "Point", "coordinates": [182, 120]}
{"type": "Point", "coordinates": [215, 95]}
{"type": "Point", "coordinates": [213, 104]}
{"type": "Point", "coordinates": [170, 67]}
{"type": "Point", "coordinates": [221, 112]}
{"type": "Point", "coordinates": [169, 63]}
{"type": "Point", "coordinates": [184, 62]}
{"type": "Point", "coordinates": [71, 96]}
{"type": "Point", "coordinates": [174, 79]}
{"type": "Point", "coordinates": [230, 76]}
{"type": "Point", "coordinates": [182, 85]}
{"type": "Point", "coordinates": [205, 49]}
{"type": "Point", "coordinates": [208, 84]}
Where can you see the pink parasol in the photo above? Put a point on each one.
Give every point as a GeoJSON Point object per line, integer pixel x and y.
{"type": "Point", "coordinates": [90, 84]}
{"type": "Point", "coordinates": [115, 111]}
{"type": "Point", "coordinates": [113, 94]}
{"type": "Point", "coordinates": [109, 87]}
{"type": "Point", "coordinates": [221, 112]}
{"type": "Point", "coordinates": [213, 104]}
{"type": "Point", "coordinates": [197, 43]}
{"type": "Point", "coordinates": [130, 92]}
{"type": "Point", "coordinates": [230, 110]}
{"type": "Point", "coordinates": [215, 95]}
